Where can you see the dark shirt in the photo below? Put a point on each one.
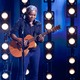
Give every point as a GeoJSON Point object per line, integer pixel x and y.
{"type": "Point", "coordinates": [23, 26]}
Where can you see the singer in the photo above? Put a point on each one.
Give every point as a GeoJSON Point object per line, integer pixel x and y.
{"type": "Point", "coordinates": [32, 27]}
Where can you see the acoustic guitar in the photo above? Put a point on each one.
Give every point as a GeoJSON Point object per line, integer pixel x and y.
{"type": "Point", "coordinates": [16, 50]}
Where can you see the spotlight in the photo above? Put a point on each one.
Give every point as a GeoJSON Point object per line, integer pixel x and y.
{"type": "Point", "coordinates": [72, 41]}
{"type": "Point", "coordinates": [71, 30]}
{"type": "Point", "coordinates": [71, 1]}
{"type": "Point", "coordinates": [48, 19]}
{"type": "Point", "coordinates": [4, 15]}
{"type": "Point", "coordinates": [49, 76]}
{"type": "Point", "coordinates": [72, 8]}
{"type": "Point", "coordinates": [5, 75]}
{"type": "Point", "coordinates": [48, 56]}
{"type": "Point", "coordinates": [24, 10]}
{"type": "Point", "coordinates": [48, 15]}
{"type": "Point", "coordinates": [72, 36]}
{"type": "Point", "coordinates": [5, 56]}
{"type": "Point", "coordinates": [5, 46]}
{"type": "Point", "coordinates": [48, 26]}
{"type": "Point", "coordinates": [24, 1]}
{"type": "Point", "coordinates": [71, 60]}
{"type": "Point", "coordinates": [71, 71]}
{"type": "Point", "coordinates": [5, 26]}
{"type": "Point", "coordinates": [71, 11]}
{"type": "Point", "coordinates": [48, 45]}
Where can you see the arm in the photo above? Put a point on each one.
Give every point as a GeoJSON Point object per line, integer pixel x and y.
{"type": "Point", "coordinates": [15, 31]}
{"type": "Point", "coordinates": [14, 37]}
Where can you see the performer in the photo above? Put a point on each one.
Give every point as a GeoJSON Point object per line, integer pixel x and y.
{"type": "Point", "coordinates": [31, 27]}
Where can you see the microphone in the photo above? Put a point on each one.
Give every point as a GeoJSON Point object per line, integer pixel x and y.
{"type": "Point", "coordinates": [23, 16]}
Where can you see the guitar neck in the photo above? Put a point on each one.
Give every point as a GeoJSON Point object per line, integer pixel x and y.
{"type": "Point", "coordinates": [45, 33]}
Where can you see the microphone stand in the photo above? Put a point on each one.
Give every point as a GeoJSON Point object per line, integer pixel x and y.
{"type": "Point", "coordinates": [23, 48]}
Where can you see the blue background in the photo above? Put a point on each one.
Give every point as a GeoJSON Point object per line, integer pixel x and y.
{"type": "Point", "coordinates": [61, 52]}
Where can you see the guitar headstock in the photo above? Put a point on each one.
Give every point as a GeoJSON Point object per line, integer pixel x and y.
{"type": "Point", "coordinates": [55, 28]}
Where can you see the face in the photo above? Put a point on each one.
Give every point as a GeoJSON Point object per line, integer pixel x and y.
{"type": "Point", "coordinates": [32, 15]}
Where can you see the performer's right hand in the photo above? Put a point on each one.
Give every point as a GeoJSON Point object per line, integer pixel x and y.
{"type": "Point", "coordinates": [19, 41]}
{"type": "Point", "coordinates": [26, 43]}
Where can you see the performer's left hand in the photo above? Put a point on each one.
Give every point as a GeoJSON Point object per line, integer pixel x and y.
{"type": "Point", "coordinates": [41, 38]}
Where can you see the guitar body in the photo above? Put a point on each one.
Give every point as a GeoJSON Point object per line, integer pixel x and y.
{"type": "Point", "coordinates": [16, 50]}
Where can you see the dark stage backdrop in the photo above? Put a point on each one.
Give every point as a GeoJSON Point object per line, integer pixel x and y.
{"type": "Point", "coordinates": [61, 51]}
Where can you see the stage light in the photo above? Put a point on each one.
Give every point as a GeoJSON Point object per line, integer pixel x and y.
{"type": "Point", "coordinates": [48, 19]}
{"type": "Point", "coordinates": [72, 36]}
{"type": "Point", "coordinates": [48, 45]}
{"type": "Point", "coordinates": [49, 76]}
{"type": "Point", "coordinates": [24, 1]}
{"type": "Point", "coordinates": [48, 15]}
{"type": "Point", "coordinates": [5, 56]}
{"type": "Point", "coordinates": [48, 56]}
{"type": "Point", "coordinates": [71, 11]}
{"type": "Point", "coordinates": [71, 8]}
{"type": "Point", "coordinates": [71, 60]}
{"type": "Point", "coordinates": [5, 75]}
{"type": "Point", "coordinates": [71, 30]}
{"type": "Point", "coordinates": [5, 46]}
{"type": "Point", "coordinates": [72, 41]}
{"type": "Point", "coordinates": [27, 71]}
{"type": "Point", "coordinates": [5, 26]}
{"type": "Point", "coordinates": [24, 10]}
{"type": "Point", "coordinates": [4, 15]}
{"type": "Point", "coordinates": [48, 26]}
{"type": "Point", "coordinates": [71, 1]}
{"type": "Point", "coordinates": [71, 71]}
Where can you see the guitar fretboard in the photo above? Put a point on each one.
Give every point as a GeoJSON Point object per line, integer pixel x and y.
{"type": "Point", "coordinates": [45, 33]}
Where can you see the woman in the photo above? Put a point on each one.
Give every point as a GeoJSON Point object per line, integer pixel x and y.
{"type": "Point", "coordinates": [29, 26]}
